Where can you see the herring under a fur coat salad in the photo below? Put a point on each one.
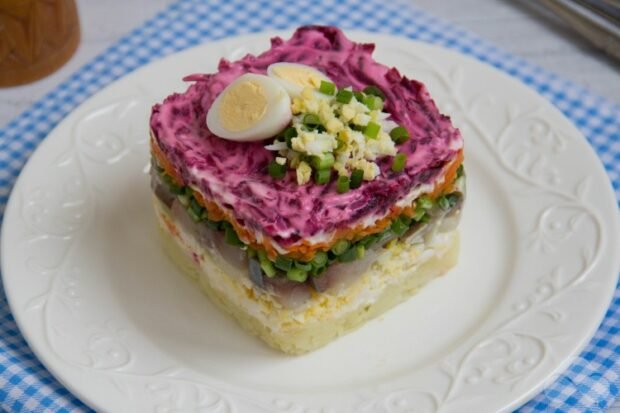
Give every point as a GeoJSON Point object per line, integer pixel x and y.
{"type": "Point", "coordinates": [307, 189]}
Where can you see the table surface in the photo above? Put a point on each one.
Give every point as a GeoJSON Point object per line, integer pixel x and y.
{"type": "Point", "coordinates": [517, 26]}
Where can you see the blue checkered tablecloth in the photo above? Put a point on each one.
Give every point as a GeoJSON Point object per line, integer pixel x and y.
{"type": "Point", "coordinates": [590, 384]}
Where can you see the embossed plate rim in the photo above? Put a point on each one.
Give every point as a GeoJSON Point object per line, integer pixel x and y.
{"type": "Point", "coordinates": [252, 39]}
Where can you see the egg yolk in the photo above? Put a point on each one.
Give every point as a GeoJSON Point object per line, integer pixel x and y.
{"type": "Point", "coordinates": [297, 75]}
{"type": "Point", "coordinates": [243, 106]}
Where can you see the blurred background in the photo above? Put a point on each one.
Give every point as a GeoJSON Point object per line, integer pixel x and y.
{"type": "Point", "coordinates": [523, 27]}
{"type": "Point", "coordinates": [544, 32]}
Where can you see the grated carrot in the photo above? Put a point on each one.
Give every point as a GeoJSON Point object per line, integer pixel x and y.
{"type": "Point", "coordinates": [303, 250]}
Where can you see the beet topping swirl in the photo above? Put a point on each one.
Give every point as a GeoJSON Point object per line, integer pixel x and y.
{"type": "Point", "coordinates": [234, 174]}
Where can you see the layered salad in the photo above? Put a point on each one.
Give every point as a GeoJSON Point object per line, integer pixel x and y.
{"type": "Point", "coordinates": [292, 178]}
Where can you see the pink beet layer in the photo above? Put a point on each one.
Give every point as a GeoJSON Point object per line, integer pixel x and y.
{"type": "Point", "coordinates": [234, 174]}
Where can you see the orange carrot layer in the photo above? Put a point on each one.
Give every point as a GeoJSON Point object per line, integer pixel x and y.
{"type": "Point", "coordinates": [304, 250]}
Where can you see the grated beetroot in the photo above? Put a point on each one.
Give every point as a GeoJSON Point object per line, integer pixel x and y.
{"type": "Point", "coordinates": [234, 174]}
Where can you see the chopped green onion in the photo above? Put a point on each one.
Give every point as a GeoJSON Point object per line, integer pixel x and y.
{"type": "Point", "coordinates": [321, 176]}
{"type": "Point", "coordinates": [419, 214]}
{"type": "Point", "coordinates": [360, 251]}
{"type": "Point", "coordinates": [325, 161]}
{"type": "Point", "coordinates": [424, 202]}
{"type": "Point", "coordinates": [375, 91]}
{"type": "Point", "coordinates": [268, 269]}
{"type": "Point", "coordinates": [460, 170]}
{"type": "Point", "coordinates": [320, 259]}
{"type": "Point", "coordinates": [196, 211]}
{"type": "Point", "coordinates": [399, 162]}
{"type": "Point", "coordinates": [289, 134]}
{"type": "Point", "coordinates": [359, 96]}
{"type": "Point", "coordinates": [372, 130]}
{"type": "Point", "coordinates": [385, 236]}
{"type": "Point", "coordinates": [195, 217]}
{"type": "Point", "coordinates": [196, 207]}
{"type": "Point", "coordinates": [327, 88]}
{"type": "Point", "coordinates": [399, 227]}
{"type": "Point", "coordinates": [373, 102]}
{"type": "Point", "coordinates": [343, 184]}
{"type": "Point", "coordinates": [283, 263]}
{"type": "Point", "coordinates": [265, 264]}
{"type": "Point", "coordinates": [214, 225]}
{"type": "Point", "coordinates": [172, 186]}
{"type": "Point", "coordinates": [406, 220]}
{"type": "Point", "coordinates": [312, 120]}
{"type": "Point", "coordinates": [184, 199]}
{"type": "Point", "coordinates": [369, 240]}
{"type": "Point", "coordinates": [340, 246]}
{"type": "Point", "coordinates": [355, 253]}
{"type": "Point", "coordinates": [448, 201]}
{"type": "Point", "coordinates": [295, 274]}
{"type": "Point", "coordinates": [454, 198]}
{"type": "Point", "coordinates": [231, 237]}
{"type": "Point", "coordinates": [356, 178]}
{"type": "Point", "coordinates": [443, 202]}
{"type": "Point", "coordinates": [344, 96]}
{"type": "Point", "coordinates": [276, 170]}
{"type": "Point", "coordinates": [399, 135]}
{"type": "Point", "coordinates": [304, 266]}
{"type": "Point", "coordinates": [316, 271]}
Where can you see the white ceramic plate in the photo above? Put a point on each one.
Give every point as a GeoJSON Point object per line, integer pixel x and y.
{"type": "Point", "coordinates": [113, 319]}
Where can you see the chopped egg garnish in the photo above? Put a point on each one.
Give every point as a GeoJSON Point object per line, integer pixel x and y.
{"type": "Point", "coordinates": [329, 130]}
{"type": "Point", "coordinates": [294, 77]}
{"type": "Point", "coordinates": [252, 108]}
{"type": "Point", "coordinates": [341, 131]}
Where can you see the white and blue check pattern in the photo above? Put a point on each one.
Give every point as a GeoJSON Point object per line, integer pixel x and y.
{"type": "Point", "coordinates": [590, 384]}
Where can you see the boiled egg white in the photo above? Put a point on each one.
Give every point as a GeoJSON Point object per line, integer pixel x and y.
{"type": "Point", "coordinates": [296, 76]}
{"type": "Point", "coordinates": [252, 108]}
